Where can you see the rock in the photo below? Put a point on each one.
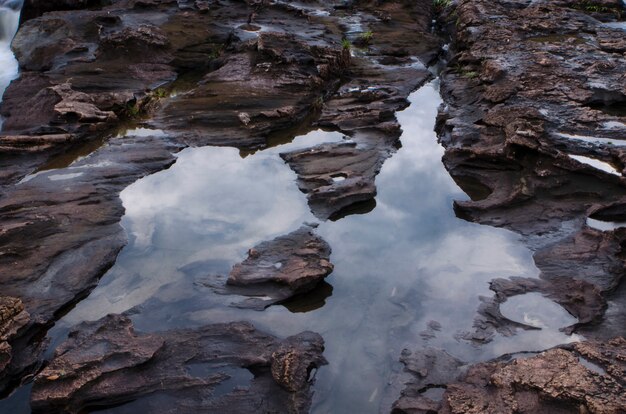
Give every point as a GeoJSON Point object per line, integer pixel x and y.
{"type": "Point", "coordinates": [220, 367]}
{"type": "Point", "coordinates": [77, 233]}
{"type": "Point", "coordinates": [335, 176]}
{"type": "Point", "coordinates": [516, 89]}
{"type": "Point", "coordinates": [294, 360]}
{"type": "Point", "coordinates": [582, 377]}
{"type": "Point", "coordinates": [554, 381]}
{"type": "Point", "coordinates": [13, 317]}
{"type": "Point", "coordinates": [288, 265]}
{"type": "Point", "coordinates": [427, 369]}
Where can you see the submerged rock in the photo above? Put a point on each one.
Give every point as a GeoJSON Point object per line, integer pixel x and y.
{"type": "Point", "coordinates": [226, 367]}
{"type": "Point", "coordinates": [288, 265]}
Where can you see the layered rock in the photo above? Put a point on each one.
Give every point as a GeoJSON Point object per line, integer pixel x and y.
{"type": "Point", "coordinates": [391, 49]}
{"type": "Point", "coordinates": [226, 367]}
{"type": "Point", "coordinates": [281, 268]}
{"type": "Point", "coordinates": [522, 92]}
{"type": "Point", "coordinates": [61, 233]}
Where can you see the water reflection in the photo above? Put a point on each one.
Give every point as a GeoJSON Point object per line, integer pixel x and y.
{"type": "Point", "coordinates": [408, 266]}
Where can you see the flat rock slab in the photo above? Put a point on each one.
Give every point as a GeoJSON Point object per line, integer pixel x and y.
{"type": "Point", "coordinates": [283, 267]}
{"type": "Point", "coordinates": [217, 368]}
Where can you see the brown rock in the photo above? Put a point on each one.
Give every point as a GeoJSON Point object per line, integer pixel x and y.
{"type": "Point", "coordinates": [106, 363]}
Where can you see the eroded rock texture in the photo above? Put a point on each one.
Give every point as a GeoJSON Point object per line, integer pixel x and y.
{"type": "Point", "coordinates": [531, 88]}
{"type": "Point", "coordinates": [533, 124]}
{"type": "Point", "coordinates": [218, 368]}
{"type": "Point", "coordinates": [281, 268]}
{"type": "Point", "coordinates": [586, 377]}
{"type": "Point", "coordinates": [233, 73]}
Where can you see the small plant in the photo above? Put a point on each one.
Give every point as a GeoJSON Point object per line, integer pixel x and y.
{"type": "Point", "coordinates": [345, 44]}
{"type": "Point", "coordinates": [160, 93]}
{"type": "Point", "coordinates": [366, 37]}
{"type": "Point", "coordinates": [592, 7]}
{"type": "Point", "coordinates": [465, 72]}
{"type": "Point", "coordinates": [131, 110]}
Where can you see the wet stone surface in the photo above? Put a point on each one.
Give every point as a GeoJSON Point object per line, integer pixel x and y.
{"type": "Point", "coordinates": [106, 363]}
{"type": "Point", "coordinates": [104, 124]}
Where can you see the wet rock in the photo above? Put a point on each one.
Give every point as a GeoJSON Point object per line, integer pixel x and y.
{"type": "Point", "coordinates": [106, 363]}
{"type": "Point", "coordinates": [282, 73]}
{"type": "Point", "coordinates": [335, 176]}
{"type": "Point", "coordinates": [583, 377]}
{"type": "Point", "coordinates": [295, 359]}
{"type": "Point", "coordinates": [520, 90]}
{"type": "Point", "coordinates": [554, 381]}
{"type": "Point", "coordinates": [13, 317]}
{"type": "Point", "coordinates": [427, 369]}
{"type": "Point", "coordinates": [57, 241]}
{"type": "Point", "coordinates": [380, 78]}
{"type": "Point", "coordinates": [281, 268]}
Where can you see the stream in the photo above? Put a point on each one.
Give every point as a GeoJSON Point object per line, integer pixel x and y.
{"type": "Point", "coordinates": [408, 274]}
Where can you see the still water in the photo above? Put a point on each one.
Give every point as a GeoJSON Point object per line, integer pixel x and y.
{"type": "Point", "coordinates": [408, 274]}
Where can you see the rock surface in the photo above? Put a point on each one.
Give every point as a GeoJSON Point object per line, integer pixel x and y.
{"type": "Point", "coordinates": [13, 317]}
{"type": "Point", "coordinates": [534, 94]}
{"type": "Point", "coordinates": [586, 377]}
{"type": "Point", "coordinates": [227, 367]}
{"type": "Point", "coordinates": [288, 265]}
{"type": "Point", "coordinates": [233, 73]}
{"type": "Point", "coordinates": [522, 91]}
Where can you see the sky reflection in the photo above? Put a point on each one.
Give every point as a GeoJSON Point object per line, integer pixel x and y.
{"type": "Point", "coordinates": [407, 263]}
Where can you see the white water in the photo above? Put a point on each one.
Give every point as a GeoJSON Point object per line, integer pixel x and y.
{"type": "Point", "coordinates": [9, 20]}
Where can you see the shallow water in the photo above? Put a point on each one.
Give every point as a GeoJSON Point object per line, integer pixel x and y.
{"type": "Point", "coordinates": [597, 164]}
{"type": "Point", "coordinates": [397, 269]}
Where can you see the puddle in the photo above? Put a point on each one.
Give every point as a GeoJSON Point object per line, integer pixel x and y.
{"type": "Point", "coordinates": [435, 393]}
{"type": "Point", "coordinates": [142, 132]}
{"type": "Point", "coordinates": [604, 225]}
{"type": "Point", "coordinates": [598, 140]}
{"type": "Point", "coordinates": [534, 309]}
{"type": "Point", "coordinates": [591, 366]}
{"type": "Point", "coordinates": [614, 125]}
{"type": "Point", "coordinates": [597, 164]}
{"type": "Point", "coordinates": [406, 265]}
{"type": "Point", "coordinates": [616, 25]}
{"type": "Point", "coordinates": [61, 177]}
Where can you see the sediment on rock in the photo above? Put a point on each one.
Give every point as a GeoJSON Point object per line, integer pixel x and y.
{"type": "Point", "coordinates": [226, 367]}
